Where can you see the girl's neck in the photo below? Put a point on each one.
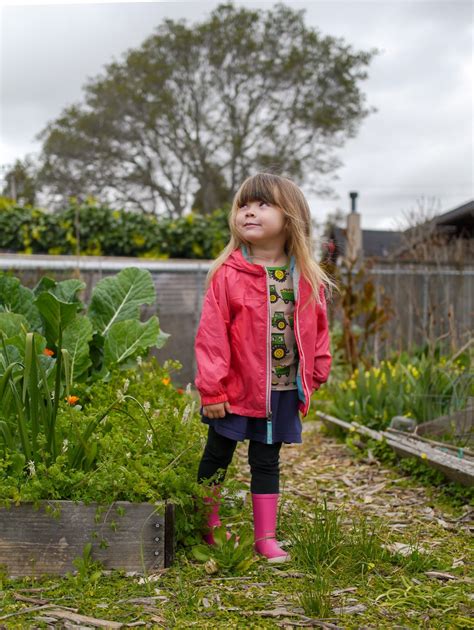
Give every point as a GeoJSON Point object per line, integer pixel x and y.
{"type": "Point", "coordinates": [269, 259]}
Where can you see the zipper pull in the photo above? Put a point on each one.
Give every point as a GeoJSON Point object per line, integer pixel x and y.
{"type": "Point", "coordinates": [269, 428]}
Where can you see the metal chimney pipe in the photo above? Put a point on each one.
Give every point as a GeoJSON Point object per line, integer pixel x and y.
{"type": "Point", "coordinates": [353, 196]}
{"type": "Point", "coordinates": [353, 233]}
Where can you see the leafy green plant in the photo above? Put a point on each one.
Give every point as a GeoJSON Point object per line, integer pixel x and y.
{"type": "Point", "coordinates": [227, 556]}
{"type": "Point", "coordinates": [88, 570]}
{"type": "Point", "coordinates": [47, 346]}
{"type": "Point", "coordinates": [422, 388]}
{"type": "Point", "coordinates": [92, 229]}
{"type": "Point", "coordinates": [146, 441]}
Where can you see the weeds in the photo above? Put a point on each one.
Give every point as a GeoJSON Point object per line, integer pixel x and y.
{"type": "Point", "coordinates": [227, 556]}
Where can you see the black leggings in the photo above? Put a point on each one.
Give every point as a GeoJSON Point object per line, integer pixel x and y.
{"type": "Point", "coordinates": [263, 459]}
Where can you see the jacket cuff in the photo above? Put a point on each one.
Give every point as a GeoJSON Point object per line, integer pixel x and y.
{"type": "Point", "coordinates": [213, 400]}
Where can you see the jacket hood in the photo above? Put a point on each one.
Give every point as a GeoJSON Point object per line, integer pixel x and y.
{"type": "Point", "coordinates": [240, 259]}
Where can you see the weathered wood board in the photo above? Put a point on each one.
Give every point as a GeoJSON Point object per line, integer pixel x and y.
{"type": "Point", "coordinates": [129, 536]}
{"type": "Point", "coordinates": [456, 466]}
{"type": "Point", "coordinates": [459, 425]}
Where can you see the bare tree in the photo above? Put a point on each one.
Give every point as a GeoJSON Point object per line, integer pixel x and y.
{"type": "Point", "coordinates": [183, 119]}
{"type": "Point", "coordinates": [424, 240]}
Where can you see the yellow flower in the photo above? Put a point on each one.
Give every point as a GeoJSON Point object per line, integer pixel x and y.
{"type": "Point", "coordinates": [166, 380]}
{"type": "Point", "coordinates": [138, 240]}
{"type": "Point", "coordinates": [424, 456]}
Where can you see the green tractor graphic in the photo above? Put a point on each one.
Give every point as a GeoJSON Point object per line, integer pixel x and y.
{"type": "Point", "coordinates": [287, 295]}
{"type": "Point", "coordinates": [278, 274]}
{"type": "Point", "coordinates": [279, 349]}
{"type": "Point", "coordinates": [282, 370]}
{"type": "Point", "coordinates": [279, 321]}
{"type": "Point", "coordinates": [274, 295]}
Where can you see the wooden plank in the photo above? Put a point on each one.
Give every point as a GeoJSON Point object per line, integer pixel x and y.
{"type": "Point", "coordinates": [458, 451]}
{"type": "Point", "coordinates": [169, 538]}
{"type": "Point", "coordinates": [459, 424]}
{"type": "Point", "coordinates": [460, 470]}
{"type": "Point", "coordinates": [33, 542]}
{"type": "Point", "coordinates": [406, 445]}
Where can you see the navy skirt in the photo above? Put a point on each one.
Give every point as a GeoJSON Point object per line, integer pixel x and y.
{"type": "Point", "coordinates": [285, 427]}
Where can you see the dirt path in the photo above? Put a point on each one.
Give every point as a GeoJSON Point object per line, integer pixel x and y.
{"type": "Point", "coordinates": [323, 467]}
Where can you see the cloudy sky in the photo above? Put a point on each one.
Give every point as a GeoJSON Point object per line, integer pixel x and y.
{"type": "Point", "coordinates": [417, 149]}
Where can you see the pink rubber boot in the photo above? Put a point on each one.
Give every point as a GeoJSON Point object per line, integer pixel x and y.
{"type": "Point", "coordinates": [264, 519]}
{"type": "Point", "coordinates": [213, 518]}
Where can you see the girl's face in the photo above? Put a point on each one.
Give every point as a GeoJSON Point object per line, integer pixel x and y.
{"type": "Point", "coordinates": [260, 222]}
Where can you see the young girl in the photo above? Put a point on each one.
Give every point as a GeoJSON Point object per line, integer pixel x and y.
{"type": "Point", "coordinates": [262, 344]}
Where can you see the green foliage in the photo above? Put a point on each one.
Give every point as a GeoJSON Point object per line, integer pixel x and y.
{"type": "Point", "coordinates": [315, 594]}
{"type": "Point", "coordinates": [144, 442]}
{"type": "Point", "coordinates": [418, 387]}
{"type": "Point", "coordinates": [325, 545]}
{"type": "Point", "coordinates": [92, 229]}
{"type": "Point", "coordinates": [33, 384]}
{"type": "Point", "coordinates": [227, 556]}
{"type": "Point", "coordinates": [88, 570]}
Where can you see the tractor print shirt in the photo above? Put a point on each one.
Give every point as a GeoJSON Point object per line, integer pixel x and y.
{"type": "Point", "coordinates": [284, 349]}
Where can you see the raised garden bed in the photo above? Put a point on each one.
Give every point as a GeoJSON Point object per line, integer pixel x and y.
{"type": "Point", "coordinates": [40, 540]}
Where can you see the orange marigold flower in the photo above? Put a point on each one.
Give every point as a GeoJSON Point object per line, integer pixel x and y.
{"type": "Point", "coordinates": [166, 380]}
{"type": "Point", "coordinates": [48, 352]}
{"type": "Point", "coordinates": [72, 400]}
{"type": "Point", "coordinates": [180, 390]}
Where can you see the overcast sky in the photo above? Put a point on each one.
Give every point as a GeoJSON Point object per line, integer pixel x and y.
{"type": "Point", "coordinates": [417, 148]}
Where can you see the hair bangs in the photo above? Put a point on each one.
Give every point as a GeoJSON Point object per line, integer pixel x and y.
{"type": "Point", "coordinates": [257, 188]}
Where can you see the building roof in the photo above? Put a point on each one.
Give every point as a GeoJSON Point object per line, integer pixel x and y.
{"type": "Point", "coordinates": [381, 243]}
{"type": "Point", "coordinates": [374, 242]}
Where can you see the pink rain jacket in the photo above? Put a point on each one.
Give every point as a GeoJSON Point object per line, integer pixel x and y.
{"type": "Point", "coordinates": [233, 345]}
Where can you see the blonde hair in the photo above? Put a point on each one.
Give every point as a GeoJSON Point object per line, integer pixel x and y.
{"type": "Point", "coordinates": [285, 194]}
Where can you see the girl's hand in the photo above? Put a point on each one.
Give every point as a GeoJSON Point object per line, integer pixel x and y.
{"type": "Point", "coordinates": [216, 411]}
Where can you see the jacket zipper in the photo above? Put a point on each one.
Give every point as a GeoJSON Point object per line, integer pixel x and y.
{"type": "Point", "coordinates": [269, 366]}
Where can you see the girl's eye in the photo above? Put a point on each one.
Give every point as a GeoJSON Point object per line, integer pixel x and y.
{"type": "Point", "coordinates": [259, 203]}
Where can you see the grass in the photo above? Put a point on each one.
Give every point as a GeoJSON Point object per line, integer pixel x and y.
{"type": "Point", "coordinates": [340, 561]}
{"type": "Point", "coordinates": [348, 568]}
